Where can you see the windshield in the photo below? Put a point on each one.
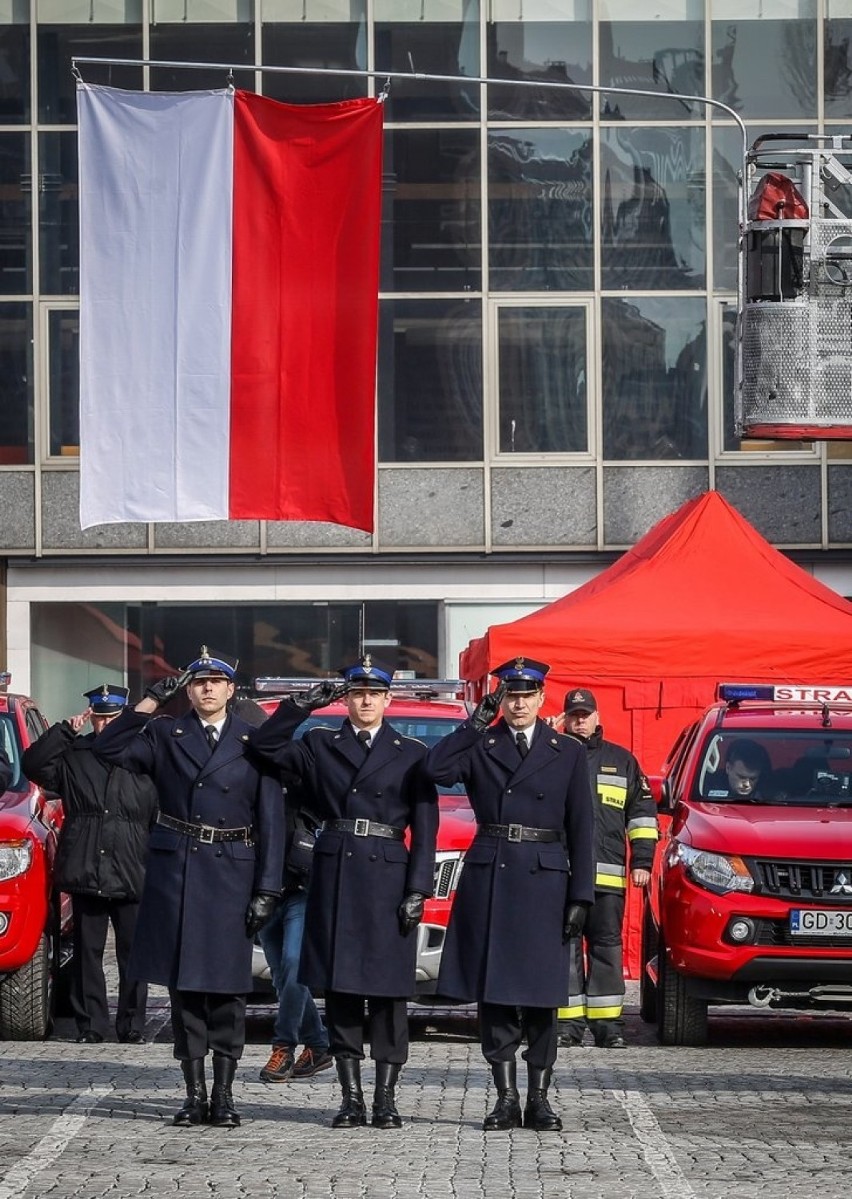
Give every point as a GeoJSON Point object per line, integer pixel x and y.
{"type": "Point", "coordinates": [10, 745]}
{"type": "Point", "coordinates": [777, 767]}
{"type": "Point", "coordinates": [428, 729]}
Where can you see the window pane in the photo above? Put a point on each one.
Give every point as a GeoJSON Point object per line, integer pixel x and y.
{"type": "Point", "coordinates": [436, 38]}
{"type": "Point", "coordinates": [432, 211]}
{"type": "Point", "coordinates": [727, 165]}
{"type": "Point", "coordinates": [58, 216]}
{"type": "Point", "coordinates": [653, 211]}
{"type": "Point", "coordinates": [191, 42]}
{"type": "Point", "coordinates": [543, 378]}
{"type": "Point", "coordinates": [663, 55]}
{"type": "Point", "coordinates": [430, 381]}
{"type": "Point", "coordinates": [654, 379]}
{"type": "Point", "coordinates": [765, 65]}
{"type": "Point", "coordinates": [89, 28]}
{"type": "Point", "coordinates": [15, 76]}
{"type": "Point", "coordinates": [838, 64]}
{"type": "Point", "coordinates": [540, 210]}
{"type": "Point", "coordinates": [329, 34]}
{"type": "Point", "coordinates": [16, 251]}
{"type": "Point", "coordinates": [64, 381]}
{"type": "Point", "coordinates": [730, 441]}
{"type": "Point", "coordinates": [16, 384]}
{"type": "Point", "coordinates": [555, 50]}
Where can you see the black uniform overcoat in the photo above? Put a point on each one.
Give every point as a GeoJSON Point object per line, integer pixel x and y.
{"type": "Point", "coordinates": [191, 930]}
{"type": "Point", "coordinates": [352, 941]}
{"type": "Point", "coordinates": [504, 941]}
{"type": "Point", "coordinates": [108, 815]}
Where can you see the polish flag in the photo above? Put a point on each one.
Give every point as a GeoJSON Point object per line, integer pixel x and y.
{"type": "Point", "coordinates": [229, 258]}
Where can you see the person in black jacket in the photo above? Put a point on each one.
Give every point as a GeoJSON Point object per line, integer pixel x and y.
{"type": "Point", "coordinates": [100, 859]}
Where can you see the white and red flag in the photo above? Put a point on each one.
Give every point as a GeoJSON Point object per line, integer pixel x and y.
{"type": "Point", "coordinates": [229, 260]}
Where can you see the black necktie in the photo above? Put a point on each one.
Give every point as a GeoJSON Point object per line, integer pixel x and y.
{"type": "Point", "coordinates": [364, 738]}
{"type": "Point", "coordinates": [523, 748]}
{"type": "Point", "coordinates": [212, 736]}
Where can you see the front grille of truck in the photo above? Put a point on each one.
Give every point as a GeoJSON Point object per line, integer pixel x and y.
{"type": "Point", "coordinates": [806, 880]}
{"type": "Point", "coordinates": [776, 934]}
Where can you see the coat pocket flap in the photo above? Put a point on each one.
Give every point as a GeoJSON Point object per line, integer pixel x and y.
{"type": "Point", "coordinates": [395, 851]}
{"type": "Point", "coordinates": [480, 855]}
{"type": "Point", "coordinates": [553, 859]}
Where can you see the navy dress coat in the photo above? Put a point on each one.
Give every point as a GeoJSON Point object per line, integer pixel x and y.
{"type": "Point", "coordinates": [191, 933]}
{"type": "Point", "coordinates": [504, 940]}
{"type": "Point", "coordinates": [352, 941]}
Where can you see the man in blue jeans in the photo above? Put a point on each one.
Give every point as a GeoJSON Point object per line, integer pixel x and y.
{"type": "Point", "coordinates": [298, 1021]}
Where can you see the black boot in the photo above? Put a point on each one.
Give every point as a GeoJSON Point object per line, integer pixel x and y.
{"type": "Point", "coordinates": [352, 1111]}
{"type": "Point", "coordinates": [195, 1109]}
{"type": "Point", "coordinates": [223, 1114]}
{"type": "Point", "coordinates": [385, 1114]}
{"type": "Point", "coordinates": [538, 1114]}
{"type": "Point", "coordinates": [506, 1112]}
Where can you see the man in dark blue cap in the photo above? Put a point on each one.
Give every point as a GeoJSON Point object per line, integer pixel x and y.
{"type": "Point", "coordinates": [366, 782]}
{"type": "Point", "coordinates": [214, 870]}
{"type": "Point", "coordinates": [100, 860]}
{"type": "Point", "coordinates": [527, 882]}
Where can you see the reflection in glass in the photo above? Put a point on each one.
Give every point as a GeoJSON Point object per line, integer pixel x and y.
{"type": "Point", "coordinates": [552, 51]}
{"type": "Point", "coordinates": [763, 67]}
{"type": "Point", "coordinates": [430, 381]}
{"type": "Point", "coordinates": [432, 210]}
{"type": "Point", "coordinates": [543, 380]}
{"type": "Point", "coordinates": [16, 371]}
{"type": "Point", "coordinates": [730, 441]}
{"type": "Point", "coordinates": [653, 208]}
{"type": "Point", "coordinates": [16, 185]}
{"type": "Point", "coordinates": [727, 166]}
{"type": "Point", "coordinates": [15, 76]}
{"type": "Point", "coordinates": [440, 37]}
{"type": "Point", "coordinates": [314, 33]}
{"type": "Point", "coordinates": [58, 216]}
{"type": "Point", "coordinates": [654, 56]}
{"type": "Point", "coordinates": [540, 210]}
{"type": "Point", "coordinates": [654, 379]}
{"type": "Point", "coordinates": [64, 381]}
{"type": "Point", "coordinates": [233, 44]}
{"type": "Point", "coordinates": [67, 29]}
{"type": "Point", "coordinates": [837, 61]}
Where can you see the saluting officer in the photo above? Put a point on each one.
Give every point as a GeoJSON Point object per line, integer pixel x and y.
{"type": "Point", "coordinates": [366, 782]}
{"type": "Point", "coordinates": [213, 874]}
{"type": "Point", "coordinates": [527, 882]}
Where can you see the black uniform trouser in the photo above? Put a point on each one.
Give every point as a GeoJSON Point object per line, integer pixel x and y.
{"type": "Point", "coordinates": [600, 979]}
{"type": "Point", "coordinates": [502, 1028]}
{"type": "Point", "coordinates": [93, 915]}
{"type": "Point", "coordinates": [387, 1026]}
{"type": "Point", "coordinates": [205, 1021]}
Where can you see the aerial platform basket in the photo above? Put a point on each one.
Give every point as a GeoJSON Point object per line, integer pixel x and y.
{"type": "Point", "coordinates": [795, 336]}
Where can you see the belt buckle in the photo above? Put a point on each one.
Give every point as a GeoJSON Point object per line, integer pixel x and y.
{"type": "Point", "coordinates": [206, 834]}
{"type": "Point", "coordinates": [362, 827]}
{"type": "Point", "coordinates": [515, 832]}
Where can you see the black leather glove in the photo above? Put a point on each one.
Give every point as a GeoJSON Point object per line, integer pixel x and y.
{"type": "Point", "coordinates": [487, 709]}
{"type": "Point", "coordinates": [575, 919]}
{"type": "Point", "coordinates": [410, 912]}
{"type": "Point", "coordinates": [259, 911]}
{"type": "Point", "coordinates": [319, 696]}
{"type": "Point", "coordinates": [165, 689]}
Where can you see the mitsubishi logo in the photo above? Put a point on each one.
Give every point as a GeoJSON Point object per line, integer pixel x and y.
{"type": "Point", "coordinates": [842, 886]}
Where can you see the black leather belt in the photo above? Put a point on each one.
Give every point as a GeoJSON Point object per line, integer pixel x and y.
{"type": "Point", "coordinates": [366, 828]}
{"type": "Point", "coordinates": [205, 832]}
{"type": "Point", "coordinates": [519, 832]}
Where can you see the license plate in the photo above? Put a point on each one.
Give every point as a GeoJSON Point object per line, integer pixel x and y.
{"type": "Point", "coordinates": [820, 922]}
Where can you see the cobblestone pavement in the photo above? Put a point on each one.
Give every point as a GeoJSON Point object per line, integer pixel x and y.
{"type": "Point", "coordinates": [766, 1110]}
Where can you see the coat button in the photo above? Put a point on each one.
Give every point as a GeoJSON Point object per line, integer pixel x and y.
{"type": "Point", "coordinates": [221, 819]}
{"type": "Point", "coordinates": [502, 865]}
{"type": "Point", "coordinates": [349, 853]}
{"type": "Point", "coordinates": [200, 784]}
{"type": "Point", "coordinates": [103, 851]}
{"type": "Point", "coordinates": [195, 849]}
{"type": "Point", "coordinates": [509, 792]}
{"type": "Point", "coordinates": [197, 816]}
{"type": "Point", "coordinates": [226, 788]}
{"type": "Point", "coordinates": [354, 790]}
{"type": "Point", "coordinates": [218, 853]}
{"type": "Point", "coordinates": [373, 857]}
{"type": "Point", "coordinates": [378, 793]}
{"type": "Point", "coordinates": [106, 811]}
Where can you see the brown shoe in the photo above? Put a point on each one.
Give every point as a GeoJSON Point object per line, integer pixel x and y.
{"type": "Point", "coordinates": [310, 1062]}
{"type": "Point", "coordinates": [280, 1065]}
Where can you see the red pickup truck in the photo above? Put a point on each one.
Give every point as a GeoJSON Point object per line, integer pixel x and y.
{"type": "Point", "coordinates": [750, 900]}
{"type": "Point", "coordinates": [35, 923]}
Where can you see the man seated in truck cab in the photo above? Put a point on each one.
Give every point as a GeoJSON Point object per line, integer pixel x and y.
{"type": "Point", "coordinates": [745, 775]}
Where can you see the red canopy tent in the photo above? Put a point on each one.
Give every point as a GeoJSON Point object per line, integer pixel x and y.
{"type": "Point", "coordinates": [701, 599]}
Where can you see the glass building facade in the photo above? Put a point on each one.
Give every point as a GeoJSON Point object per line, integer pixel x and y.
{"type": "Point", "coordinates": [558, 283]}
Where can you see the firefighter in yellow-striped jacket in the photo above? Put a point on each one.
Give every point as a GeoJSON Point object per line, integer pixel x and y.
{"type": "Point", "coordinates": [625, 816]}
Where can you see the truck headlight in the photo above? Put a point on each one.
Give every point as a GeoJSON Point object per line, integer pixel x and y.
{"type": "Point", "coordinates": [15, 858]}
{"type": "Point", "coordinates": [716, 871]}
